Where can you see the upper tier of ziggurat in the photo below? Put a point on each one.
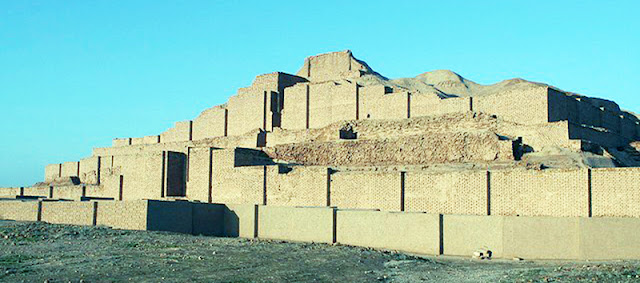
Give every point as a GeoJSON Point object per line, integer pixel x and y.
{"type": "Point", "coordinates": [339, 134]}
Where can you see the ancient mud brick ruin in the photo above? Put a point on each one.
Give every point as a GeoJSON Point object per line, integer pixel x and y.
{"type": "Point", "coordinates": [337, 135]}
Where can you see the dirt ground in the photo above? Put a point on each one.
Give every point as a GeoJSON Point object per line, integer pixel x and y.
{"type": "Point", "coordinates": [39, 252]}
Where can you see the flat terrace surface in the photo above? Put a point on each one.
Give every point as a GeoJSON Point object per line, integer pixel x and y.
{"type": "Point", "coordinates": [40, 252]}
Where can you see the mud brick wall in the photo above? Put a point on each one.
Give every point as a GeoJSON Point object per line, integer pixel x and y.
{"type": "Point", "coordinates": [449, 193]}
{"type": "Point", "coordinates": [207, 219]}
{"type": "Point", "coordinates": [121, 142]}
{"type": "Point", "coordinates": [453, 105]}
{"type": "Point", "coordinates": [236, 184]}
{"type": "Point", "coordinates": [211, 123]}
{"type": "Point", "coordinates": [561, 107]}
{"type": "Point", "coordinates": [615, 192]}
{"type": "Point", "coordinates": [301, 186]}
{"type": "Point", "coordinates": [510, 105]}
{"type": "Point", "coordinates": [248, 110]}
{"type": "Point", "coordinates": [537, 193]}
{"type": "Point", "coordinates": [139, 140]}
{"type": "Point", "coordinates": [142, 148]}
{"type": "Point", "coordinates": [409, 232]}
{"type": "Point", "coordinates": [331, 66]}
{"type": "Point", "coordinates": [375, 103]}
{"type": "Point", "coordinates": [240, 220]}
{"type": "Point", "coordinates": [239, 185]}
{"type": "Point", "coordinates": [175, 174]}
{"type": "Point", "coordinates": [143, 176]}
{"type": "Point", "coordinates": [182, 131]}
{"type": "Point", "coordinates": [52, 171]}
{"type": "Point", "coordinates": [37, 191]}
{"type": "Point", "coordinates": [9, 192]}
{"type": "Point", "coordinates": [604, 138]}
{"type": "Point", "coordinates": [90, 170]}
{"type": "Point", "coordinates": [145, 140]}
{"type": "Point", "coordinates": [199, 174]}
{"type": "Point", "coordinates": [68, 192]}
{"type": "Point", "coordinates": [320, 102]}
{"type": "Point", "coordinates": [70, 169]}
{"type": "Point", "coordinates": [19, 210]}
{"type": "Point", "coordinates": [101, 191]}
{"type": "Point", "coordinates": [68, 212]}
{"type": "Point", "coordinates": [174, 216]}
{"type": "Point", "coordinates": [344, 104]}
{"type": "Point", "coordinates": [294, 113]}
{"type": "Point", "coordinates": [588, 114]}
{"type": "Point", "coordinates": [425, 104]}
{"type": "Point", "coordinates": [123, 214]}
{"type": "Point", "coordinates": [297, 224]}
{"type": "Point", "coordinates": [331, 102]}
{"type": "Point", "coordinates": [377, 190]}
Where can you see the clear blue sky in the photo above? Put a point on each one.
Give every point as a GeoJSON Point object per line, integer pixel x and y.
{"type": "Point", "coordinates": [75, 74]}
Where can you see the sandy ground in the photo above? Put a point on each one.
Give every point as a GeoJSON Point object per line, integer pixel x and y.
{"type": "Point", "coordinates": [38, 252]}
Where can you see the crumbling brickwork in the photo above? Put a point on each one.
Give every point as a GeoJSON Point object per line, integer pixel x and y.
{"type": "Point", "coordinates": [182, 131]}
{"type": "Point", "coordinates": [296, 186]}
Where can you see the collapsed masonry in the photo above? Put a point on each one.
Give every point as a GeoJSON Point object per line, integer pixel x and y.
{"type": "Point", "coordinates": [339, 134]}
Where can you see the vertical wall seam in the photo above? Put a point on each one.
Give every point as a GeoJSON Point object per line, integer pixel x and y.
{"type": "Point", "coordinates": [264, 185]}
{"type": "Point", "coordinates": [39, 212]}
{"type": "Point", "coordinates": [357, 102]}
{"type": "Point", "coordinates": [78, 170]}
{"type": "Point", "coordinates": [255, 222]}
{"type": "Point", "coordinates": [188, 162]}
{"type": "Point", "coordinates": [121, 188]}
{"type": "Point", "coordinates": [488, 192]}
{"type": "Point", "coordinates": [59, 170]}
{"type": "Point", "coordinates": [226, 121]}
{"type": "Point", "coordinates": [84, 191]}
{"type": "Point", "coordinates": [335, 225]}
{"type": "Point", "coordinates": [99, 168]}
{"type": "Point", "coordinates": [163, 175]}
{"type": "Point", "coordinates": [328, 186]}
{"type": "Point", "coordinates": [471, 104]}
{"type": "Point", "coordinates": [190, 130]}
{"type": "Point", "coordinates": [95, 213]}
{"type": "Point", "coordinates": [50, 191]}
{"type": "Point", "coordinates": [307, 107]}
{"type": "Point", "coordinates": [408, 105]}
{"type": "Point", "coordinates": [402, 189]}
{"type": "Point", "coordinates": [589, 193]}
{"type": "Point", "coordinates": [441, 234]}
{"type": "Point", "coordinates": [210, 175]}
{"type": "Point", "coordinates": [264, 111]}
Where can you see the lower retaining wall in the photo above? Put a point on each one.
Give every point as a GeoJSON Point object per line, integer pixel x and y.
{"type": "Point", "coordinates": [20, 210]}
{"type": "Point", "coordinates": [411, 232]}
{"type": "Point", "coordinates": [435, 234]}
{"type": "Point", "coordinates": [68, 212]}
{"type": "Point", "coordinates": [307, 224]}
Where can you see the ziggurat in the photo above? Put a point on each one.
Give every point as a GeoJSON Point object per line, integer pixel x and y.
{"type": "Point", "coordinates": [338, 135]}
